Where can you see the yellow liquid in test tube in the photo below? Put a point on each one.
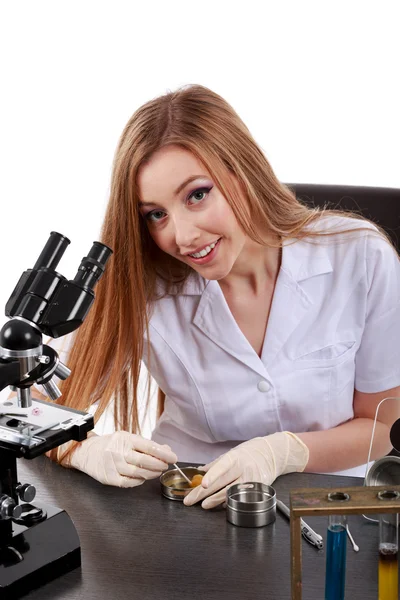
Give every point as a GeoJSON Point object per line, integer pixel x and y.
{"type": "Point", "coordinates": [388, 573]}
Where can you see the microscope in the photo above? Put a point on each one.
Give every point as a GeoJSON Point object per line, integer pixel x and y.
{"type": "Point", "coordinates": [39, 543]}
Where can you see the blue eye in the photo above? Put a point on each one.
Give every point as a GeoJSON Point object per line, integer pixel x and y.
{"type": "Point", "coordinates": [154, 216]}
{"type": "Point", "coordinates": [198, 195]}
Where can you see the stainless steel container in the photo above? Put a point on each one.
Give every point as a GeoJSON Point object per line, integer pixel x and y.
{"type": "Point", "coordinates": [385, 471]}
{"type": "Point", "coordinates": [173, 486]}
{"type": "Point", "coordinates": [251, 504]}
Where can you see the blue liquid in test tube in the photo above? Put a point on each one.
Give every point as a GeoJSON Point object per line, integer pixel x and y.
{"type": "Point", "coordinates": [336, 544]}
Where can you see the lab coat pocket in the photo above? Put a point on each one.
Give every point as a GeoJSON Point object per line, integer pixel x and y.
{"type": "Point", "coordinates": [327, 356]}
{"type": "Point", "coordinates": [325, 377]}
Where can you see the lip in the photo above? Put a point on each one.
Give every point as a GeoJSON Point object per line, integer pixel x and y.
{"type": "Point", "coordinates": [201, 248]}
{"type": "Point", "coordinates": [205, 259]}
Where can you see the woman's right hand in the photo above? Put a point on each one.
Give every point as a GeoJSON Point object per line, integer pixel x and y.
{"type": "Point", "coordinates": [122, 459]}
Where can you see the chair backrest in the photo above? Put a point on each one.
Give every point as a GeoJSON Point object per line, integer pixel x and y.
{"type": "Point", "coordinates": [380, 205]}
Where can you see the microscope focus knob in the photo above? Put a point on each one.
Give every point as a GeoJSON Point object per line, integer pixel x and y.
{"type": "Point", "coordinates": [26, 492]}
{"type": "Point", "coordinates": [9, 509]}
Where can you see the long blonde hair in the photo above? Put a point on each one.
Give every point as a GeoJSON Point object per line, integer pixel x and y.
{"type": "Point", "coordinates": [106, 355]}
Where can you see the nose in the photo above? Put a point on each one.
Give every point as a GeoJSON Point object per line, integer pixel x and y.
{"type": "Point", "coordinates": [186, 233]}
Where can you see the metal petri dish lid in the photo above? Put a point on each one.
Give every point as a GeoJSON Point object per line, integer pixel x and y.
{"type": "Point", "coordinates": [251, 496]}
{"type": "Point", "coordinates": [385, 471]}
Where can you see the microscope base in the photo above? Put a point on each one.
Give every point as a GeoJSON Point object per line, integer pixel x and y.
{"type": "Point", "coordinates": [38, 553]}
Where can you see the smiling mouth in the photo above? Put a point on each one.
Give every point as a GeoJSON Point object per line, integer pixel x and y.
{"type": "Point", "coordinates": [205, 252]}
{"type": "Point", "coordinates": [206, 255]}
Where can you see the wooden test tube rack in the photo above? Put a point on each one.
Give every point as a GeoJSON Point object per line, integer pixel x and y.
{"type": "Point", "coordinates": [306, 502]}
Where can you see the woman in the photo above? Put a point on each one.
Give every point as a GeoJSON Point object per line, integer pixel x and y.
{"type": "Point", "coordinates": [270, 327]}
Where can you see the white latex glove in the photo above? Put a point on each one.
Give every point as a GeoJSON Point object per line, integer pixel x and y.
{"type": "Point", "coordinates": [261, 459]}
{"type": "Point", "coordinates": [122, 459]}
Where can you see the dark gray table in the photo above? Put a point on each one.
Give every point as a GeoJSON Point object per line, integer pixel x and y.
{"type": "Point", "coordinates": [138, 545]}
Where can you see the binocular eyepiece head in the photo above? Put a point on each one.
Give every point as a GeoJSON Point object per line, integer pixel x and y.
{"type": "Point", "coordinates": [91, 268]}
{"type": "Point", "coordinates": [50, 302]}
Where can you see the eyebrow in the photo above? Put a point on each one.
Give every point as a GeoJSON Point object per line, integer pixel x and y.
{"type": "Point", "coordinates": [178, 189]}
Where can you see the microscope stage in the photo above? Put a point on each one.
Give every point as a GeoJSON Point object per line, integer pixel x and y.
{"type": "Point", "coordinates": [41, 427]}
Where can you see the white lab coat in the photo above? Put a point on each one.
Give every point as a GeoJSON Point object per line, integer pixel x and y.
{"type": "Point", "coordinates": [334, 326]}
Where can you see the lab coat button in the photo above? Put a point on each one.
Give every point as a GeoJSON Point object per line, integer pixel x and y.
{"type": "Point", "coordinates": [263, 386]}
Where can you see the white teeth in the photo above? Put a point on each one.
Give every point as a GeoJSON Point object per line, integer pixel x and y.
{"type": "Point", "coordinates": [205, 251]}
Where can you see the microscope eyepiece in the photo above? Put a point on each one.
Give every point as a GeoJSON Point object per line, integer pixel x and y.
{"type": "Point", "coordinates": [92, 266]}
{"type": "Point", "coordinates": [52, 252]}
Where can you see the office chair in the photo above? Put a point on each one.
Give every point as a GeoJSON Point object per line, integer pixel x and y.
{"type": "Point", "coordinates": [380, 205]}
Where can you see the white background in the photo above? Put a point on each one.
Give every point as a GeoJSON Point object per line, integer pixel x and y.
{"type": "Point", "coordinates": [316, 82]}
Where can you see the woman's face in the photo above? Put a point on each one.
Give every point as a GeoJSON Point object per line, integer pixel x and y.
{"type": "Point", "coordinates": [187, 216]}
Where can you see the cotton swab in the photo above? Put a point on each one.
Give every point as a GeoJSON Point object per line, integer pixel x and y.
{"type": "Point", "coordinates": [182, 473]}
{"type": "Point", "coordinates": [355, 547]}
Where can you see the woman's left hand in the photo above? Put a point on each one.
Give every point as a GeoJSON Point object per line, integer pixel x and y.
{"type": "Point", "coordinates": [261, 459]}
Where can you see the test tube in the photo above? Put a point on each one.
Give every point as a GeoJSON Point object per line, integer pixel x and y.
{"type": "Point", "coordinates": [388, 571]}
{"type": "Point", "coordinates": [336, 544]}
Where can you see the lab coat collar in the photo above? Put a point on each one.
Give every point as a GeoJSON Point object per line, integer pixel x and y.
{"type": "Point", "coordinates": [291, 302]}
{"type": "Point", "coordinates": [214, 318]}
{"type": "Point", "coordinates": [300, 261]}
